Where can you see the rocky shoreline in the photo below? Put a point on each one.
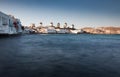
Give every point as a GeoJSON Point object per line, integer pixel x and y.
{"type": "Point", "coordinates": [102, 30]}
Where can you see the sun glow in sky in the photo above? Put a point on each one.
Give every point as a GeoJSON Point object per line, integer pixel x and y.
{"type": "Point", "coordinates": [82, 13]}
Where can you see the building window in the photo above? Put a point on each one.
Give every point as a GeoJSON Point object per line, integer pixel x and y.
{"type": "Point", "coordinates": [4, 21]}
{"type": "Point", "coordinates": [0, 21]}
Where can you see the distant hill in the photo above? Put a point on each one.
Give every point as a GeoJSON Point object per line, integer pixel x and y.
{"type": "Point", "coordinates": [102, 30]}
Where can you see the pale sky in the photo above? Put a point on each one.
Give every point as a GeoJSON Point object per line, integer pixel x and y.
{"type": "Point", "coordinates": [82, 13]}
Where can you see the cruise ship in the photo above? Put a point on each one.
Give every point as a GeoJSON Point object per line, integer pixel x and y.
{"type": "Point", "coordinates": [9, 25]}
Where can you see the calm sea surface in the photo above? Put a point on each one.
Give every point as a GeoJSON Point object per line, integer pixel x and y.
{"type": "Point", "coordinates": [60, 55]}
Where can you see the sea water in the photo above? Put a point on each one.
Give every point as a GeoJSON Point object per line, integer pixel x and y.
{"type": "Point", "coordinates": [60, 55]}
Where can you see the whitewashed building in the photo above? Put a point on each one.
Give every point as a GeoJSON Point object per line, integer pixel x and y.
{"type": "Point", "coordinates": [48, 30]}
{"type": "Point", "coordinates": [9, 24]}
{"type": "Point", "coordinates": [62, 31]}
{"type": "Point", "coordinates": [77, 31]}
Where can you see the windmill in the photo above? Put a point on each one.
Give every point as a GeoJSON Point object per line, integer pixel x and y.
{"type": "Point", "coordinates": [58, 25]}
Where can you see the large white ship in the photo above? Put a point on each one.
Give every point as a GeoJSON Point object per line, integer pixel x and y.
{"type": "Point", "coordinates": [9, 25]}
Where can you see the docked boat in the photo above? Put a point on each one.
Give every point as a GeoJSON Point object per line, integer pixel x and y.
{"type": "Point", "coordinates": [9, 25]}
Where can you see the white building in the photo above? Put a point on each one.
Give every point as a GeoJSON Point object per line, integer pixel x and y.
{"type": "Point", "coordinates": [76, 31]}
{"type": "Point", "coordinates": [62, 31]}
{"type": "Point", "coordinates": [9, 24]}
{"type": "Point", "coordinates": [48, 30]}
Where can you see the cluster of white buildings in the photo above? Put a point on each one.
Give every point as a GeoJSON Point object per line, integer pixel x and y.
{"type": "Point", "coordinates": [52, 29]}
{"type": "Point", "coordinates": [9, 24]}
